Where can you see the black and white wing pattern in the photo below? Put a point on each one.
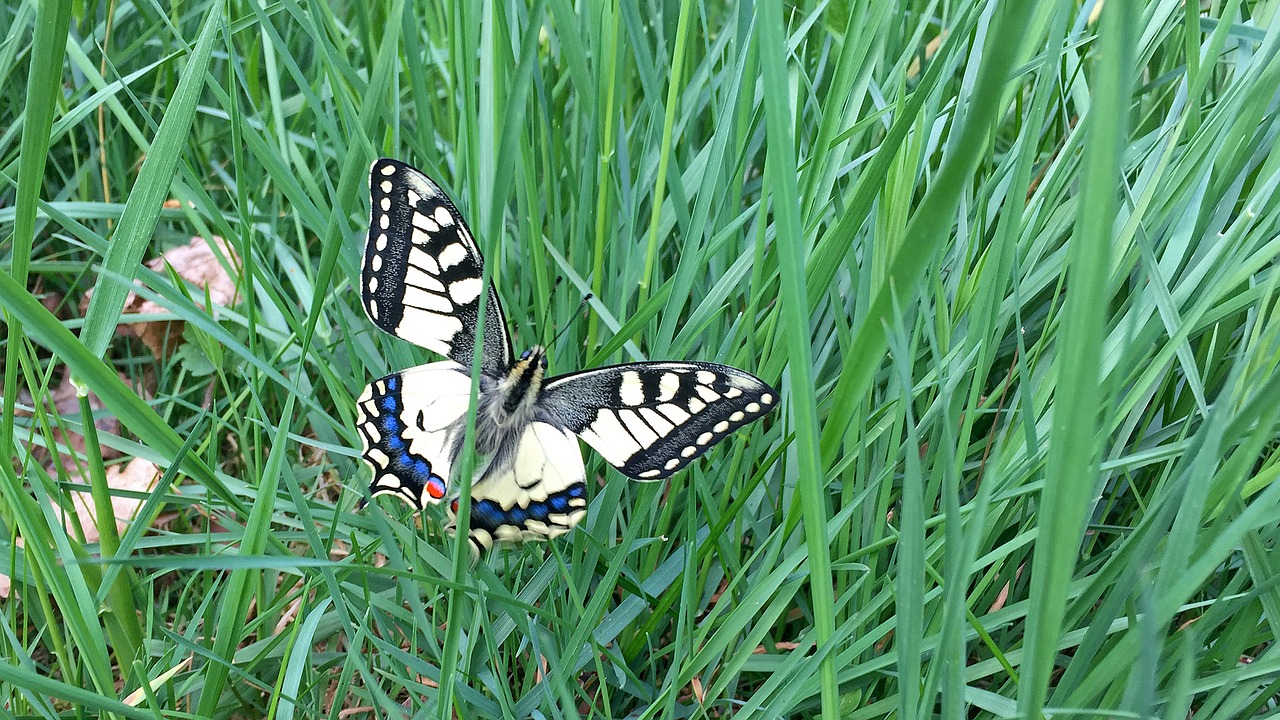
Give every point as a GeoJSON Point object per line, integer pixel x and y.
{"type": "Point", "coordinates": [409, 422]}
{"type": "Point", "coordinates": [651, 419]}
{"type": "Point", "coordinates": [421, 275]}
{"type": "Point", "coordinates": [421, 281]}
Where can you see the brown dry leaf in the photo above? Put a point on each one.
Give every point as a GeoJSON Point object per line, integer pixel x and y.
{"type": "Point", "coordinates": [138, 476]}
{"type": "Point", "coordinates": [63, 401]}
{"type": "Point", "coordinates": [783, 645]}
{"type": "Point", "coordinates": [196, 263]}
{"type": "Point", "coordinates": [137, 696]}
{"type": "Point", "coordinates": [1003, 596]}
{"type": "Point", "coordinates": [930, 50]}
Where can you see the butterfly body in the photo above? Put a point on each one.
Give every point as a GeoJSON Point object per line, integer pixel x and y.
{"type": "Point", "coordinates": [421, 281]}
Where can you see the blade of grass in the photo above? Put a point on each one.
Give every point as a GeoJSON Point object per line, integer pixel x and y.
{"type": "Point", "coordinates": [44, 90]}
{"type": "Point", "coordinates": [1071, 473]}
{"type": "Point", "coordinates": [780, 166]}
{"type": "Point", "coordinates": [142, 209]}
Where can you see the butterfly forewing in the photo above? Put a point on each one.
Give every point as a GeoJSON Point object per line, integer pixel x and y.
{"type": "Point", "coordinates": [651, 419]}
{"type": "Point", "coordinates": [421, 276]}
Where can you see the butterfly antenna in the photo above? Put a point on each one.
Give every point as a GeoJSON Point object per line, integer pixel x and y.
{"type": "Point", "coordinates": [585, 299]}
{"type": "Point", "coordinates": [551, 297]}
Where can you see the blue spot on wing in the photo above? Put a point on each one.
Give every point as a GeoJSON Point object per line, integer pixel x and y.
{"type": "Point", "coordinates": [413, 471]}
{"type": "Point", "coordinates": [488, 514]}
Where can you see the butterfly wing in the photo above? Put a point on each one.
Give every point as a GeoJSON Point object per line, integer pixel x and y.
{"type": "Point", "coordinates": [537, 492]}
{"type": "Point", "coordinates": [408, 424]}
{"type": "Point", "coordinates": [651, 419]}
{"type": "Point", "coordinates": [421, 275]}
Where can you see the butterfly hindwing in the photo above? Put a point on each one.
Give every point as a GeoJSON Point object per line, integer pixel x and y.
{"type": "Point", "coordinates": [538, 492]}
{"type": "Point", "coordinates": [421, 273]}
{"type": "Point", "coordinates": [408, 424]}
{"type": "Point", "coordinates": [651, 419]}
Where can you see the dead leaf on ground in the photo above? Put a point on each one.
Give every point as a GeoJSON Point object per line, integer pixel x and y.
{"type": "Point", "coordinates": [137, 476]}
{"type": "Point", "coordinates": [197, 263]}
{"type": "Point", "coordinates": [61, 401]}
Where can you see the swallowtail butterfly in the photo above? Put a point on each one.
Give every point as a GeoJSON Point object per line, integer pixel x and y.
{"type": "Point", "coordinates": [421, 281]}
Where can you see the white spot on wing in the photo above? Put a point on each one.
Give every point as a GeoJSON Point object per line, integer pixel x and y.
{"type": "Point", "coordinates": [373, 284]}
{"type": "Point", "coordinates": [707, 393]}
{"type": "Point", "coordinates": [385, 204]}
{"type": "Point", "coordinates": [737, 416]}
{"type": "Point", "coordinates": [463, 292]}
{"type": "Point", "coordinates": [689, 451]}
{"type": "Point", "coordinates": [421, 258]}
{"type": "Point", "coordinates": [732, 392]}
{"type": "Point", "coordinates": [753, 407]}
{"type": "Point", "coordinates": [413, 275]}
{"type": "Point", "coordinates": [386, 186]}
{"type": "Point", "coordinates": [376, 263]}
{"type": "Point", "coordinates": [422, 222]}
{"type": "Point", "coordinates": [415, 298]}
{"type": "Point", "coordinates": [638, 428]}
{"type": "Point", "coordinates": [721, 426]}
{"type": "Point", "coordinates": [674, 412]}
{"type": "Point", "coordinates": [696, 405]}
{"type": "Point", "coordinates": [706, 377]}
{"type": "Point", "coordinates": [668, 384]}
{"type": "Point", "coordinates": [672, 464]}
{"type": "Point", "coordinates": [443, 217]}
{"type": "Point", "coordinates": [650, 473]}
{"type": "Point", "coordinates": [658, 422]}
{"type": "Point", "coordinates": [426, 328]}
{"type": "Point", "coordinates": [767, 399]}
{"type": "Point", "coordinates": [630, 389]}
{"type": "Point", "coordinates": [704, 438]}
{"type": "Point", "coordinates": [381, 243]}
{"type": "Point", "coordinates": [611, 439]}
{"type": "Point", "coordinates": [452, 255]}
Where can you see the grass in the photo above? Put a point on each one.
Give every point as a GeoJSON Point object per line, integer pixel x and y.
{"type": "Point", "coordinates": [1012, 266]}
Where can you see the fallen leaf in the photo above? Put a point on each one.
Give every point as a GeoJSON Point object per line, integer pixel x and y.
{"type": "Point", "coordinates": [197, 263]}
{"type": "Point", "coordinates": [136, 697]}
{"type": "Point", "coordinates": [138, 476]}
{"type": "Point", "coordinates": [62, 401]}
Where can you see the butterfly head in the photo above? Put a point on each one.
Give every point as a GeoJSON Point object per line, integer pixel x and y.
{"type": "Point", "coordinates": [519, 389]}
{"type": "Point", "coordinates": [535, 356]}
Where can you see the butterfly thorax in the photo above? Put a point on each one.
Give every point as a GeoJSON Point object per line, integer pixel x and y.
{"type": "Point", "coordinates": [510, 406]}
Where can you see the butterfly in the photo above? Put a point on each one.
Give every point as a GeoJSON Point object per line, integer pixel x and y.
{"type": "Point", "coordinates": [421, 281]}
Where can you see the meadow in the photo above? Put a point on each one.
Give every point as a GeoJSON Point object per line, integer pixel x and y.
{"type": "Point", "coordinates": [1012, 267]}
